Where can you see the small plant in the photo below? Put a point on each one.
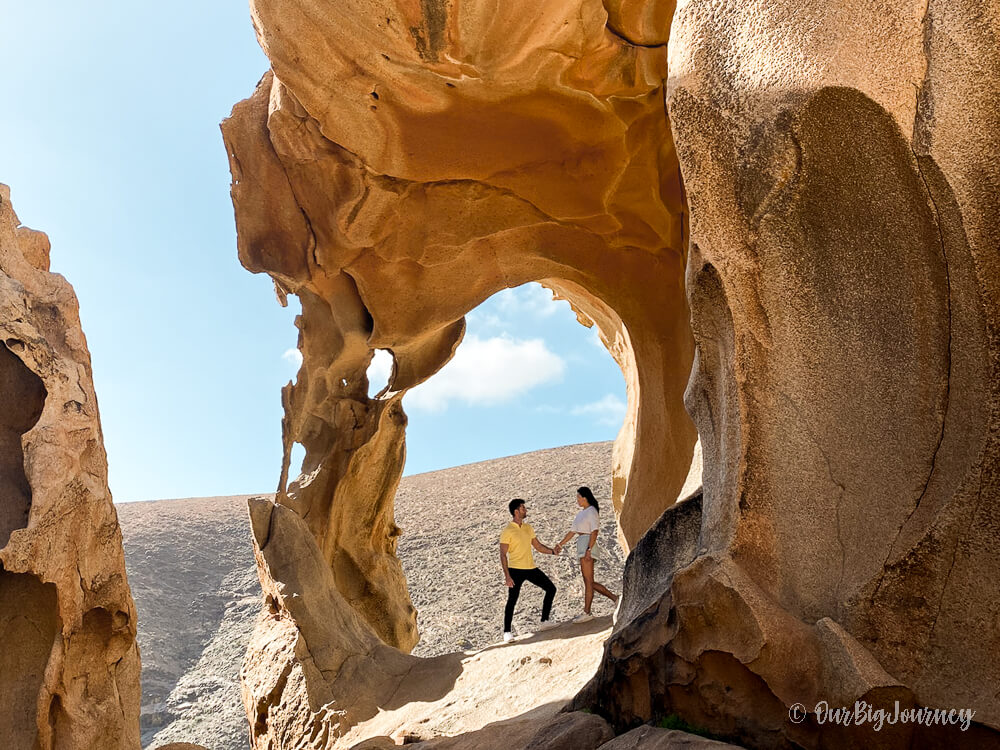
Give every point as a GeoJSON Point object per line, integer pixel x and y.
{"type": "Point", "coordinates": [673, 721]}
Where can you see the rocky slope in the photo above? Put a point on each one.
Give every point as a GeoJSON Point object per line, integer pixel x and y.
{"type": "Point", "coordinates": [191, 569]}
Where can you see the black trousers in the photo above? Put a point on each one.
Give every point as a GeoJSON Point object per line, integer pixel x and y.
{"type": "Point", "coordinates": [535, 576]}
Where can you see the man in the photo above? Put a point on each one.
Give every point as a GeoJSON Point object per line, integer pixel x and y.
{"type": "Point", "coordinates": [518, 566]}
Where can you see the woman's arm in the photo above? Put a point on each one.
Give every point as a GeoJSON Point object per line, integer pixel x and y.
{"type": "Point", "coordinates": [591, 543]}
{"type": "Point", "coordinates": [562, 544]}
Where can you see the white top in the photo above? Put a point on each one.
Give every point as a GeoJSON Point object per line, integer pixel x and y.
{"type": "Point", "coordinates": [586, 521]}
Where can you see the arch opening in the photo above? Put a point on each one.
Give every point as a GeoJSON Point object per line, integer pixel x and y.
{"type": "Point", "coordinates": [526, 376]}
{"type": "Point", "coordinates": [354, 455]}
{"type": "Point", "coordinates": [527, 407]}
{"type": "Point", "coordinates": [331, 547]}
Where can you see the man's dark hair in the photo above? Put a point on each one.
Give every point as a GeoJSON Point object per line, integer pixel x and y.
{"type": "Point", "coordinates": [514, 504]}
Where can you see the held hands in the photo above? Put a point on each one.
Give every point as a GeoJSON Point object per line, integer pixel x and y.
{"type": "Point", "coordinates": [557, 550]}
{"type": "Point", "coordinates": [510, 582]}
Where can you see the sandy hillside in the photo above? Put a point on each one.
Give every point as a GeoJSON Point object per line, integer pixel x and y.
{"type": "Point", "coordinates": [190, 565]}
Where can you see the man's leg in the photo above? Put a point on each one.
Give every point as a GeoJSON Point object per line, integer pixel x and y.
{"type": "Point", "coordinates": [512, 593]}
{"type": "Point", "coordinates": [543, 582]}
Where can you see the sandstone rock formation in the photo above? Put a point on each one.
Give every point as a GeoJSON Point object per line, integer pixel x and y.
{"type": "Point", "coordinates": [398, 165]}
{"type": "Point", "coordinates": [572, 730]}
{"type": "Point", "coordinates": [69, 666]}
{"type": "Point", "coordinates": [842, 166]}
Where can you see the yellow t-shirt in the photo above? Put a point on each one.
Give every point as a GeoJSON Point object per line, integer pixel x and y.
{"type": "Point", "coordinates": [518, 539]}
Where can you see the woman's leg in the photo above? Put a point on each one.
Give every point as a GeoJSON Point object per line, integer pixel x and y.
{"type": "Point", "coordinates": [605, 592]}
{"type": "Point", "coordinates": [587, 570]}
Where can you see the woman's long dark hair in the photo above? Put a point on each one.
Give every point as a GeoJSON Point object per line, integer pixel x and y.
{"type": "Point", "coordinates": [587, 495]}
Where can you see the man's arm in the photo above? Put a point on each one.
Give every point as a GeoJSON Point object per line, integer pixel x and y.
{"type": "Point", "coordinates": [541, 547]}
{"type": "Point", "coordinates": [503, 564]}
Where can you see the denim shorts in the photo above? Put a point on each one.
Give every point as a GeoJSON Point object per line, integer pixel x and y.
{"type": "Point", "coordinates": [582, 540]}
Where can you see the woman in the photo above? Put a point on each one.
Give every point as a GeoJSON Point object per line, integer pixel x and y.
{"type": "Point", "coordinates": [585, 527]}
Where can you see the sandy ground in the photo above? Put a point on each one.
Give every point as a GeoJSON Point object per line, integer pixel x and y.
{"type": "Point", "coordinates": [190, 565]}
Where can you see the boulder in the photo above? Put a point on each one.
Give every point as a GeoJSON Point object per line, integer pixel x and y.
{"type": "Point", "coordinates": [845, 295]}
{"type": "Point", "coordinates": [654, 738]}
{"type": "Point", "coordinates": [376, 743]}
{"type": "Point", "coordinates": [575, 730]}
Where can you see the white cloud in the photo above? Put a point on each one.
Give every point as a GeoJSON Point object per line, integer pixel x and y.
{"type": "Point", "coordinates": [379, 371]}
{"type": "Point", "coordinates": [486, 372]}
{"type": "Point", "coordinates": [481, 320]}
{"type": "Point", "coordinates": [294, 356]}
{"type": "Point", "coordinates": [610, 410]}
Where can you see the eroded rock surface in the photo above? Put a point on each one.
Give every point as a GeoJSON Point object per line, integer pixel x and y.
{"type": "Point", "coordinates": [69, 666]}
{"type": "Point", "coordinates": [841, 165]}
{"type": "Point", "coordinates": [654, 738]}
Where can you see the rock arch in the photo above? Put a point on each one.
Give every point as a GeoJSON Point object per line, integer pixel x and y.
{"type": "Point", "coordinates": [446, 171]}
{"type": "Point", "coordinates": [395, 259]}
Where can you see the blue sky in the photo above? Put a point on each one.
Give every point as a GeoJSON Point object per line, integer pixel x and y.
{"type": "Point", "coordinates": [109, 141]}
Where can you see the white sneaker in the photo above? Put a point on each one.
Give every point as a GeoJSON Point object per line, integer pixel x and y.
{"type": "Point", "coordinates": [546, 625]}
{"type": "Point", "coordinates": [508, 636]}
{"type": "Point", "coordinates": [583, 617]}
